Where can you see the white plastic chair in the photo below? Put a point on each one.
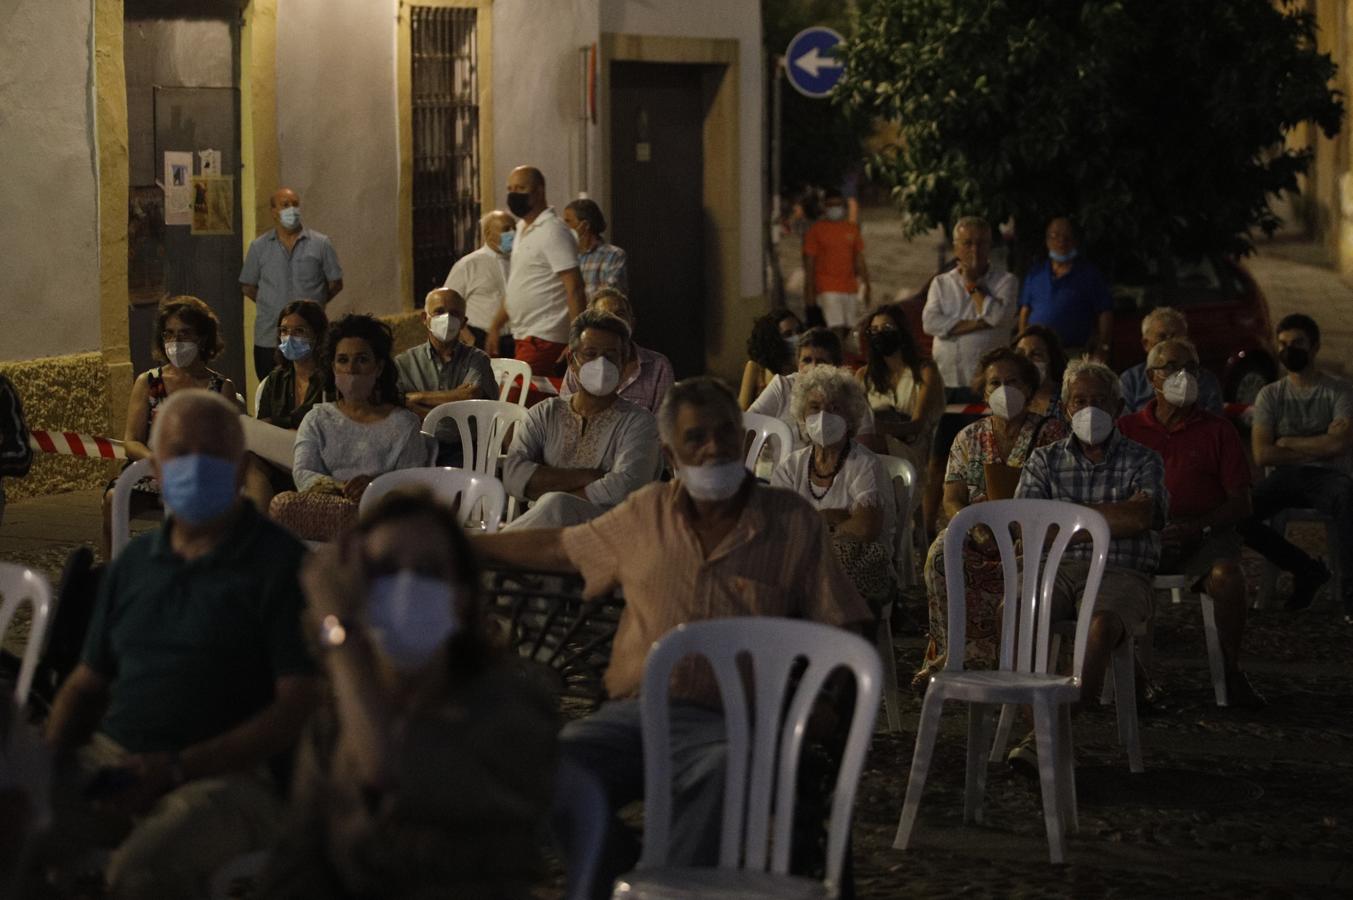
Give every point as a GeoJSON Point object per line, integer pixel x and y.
{"type": "Point", "coordinates": [763, 428]}
{"type": "Point", "coordinates": [19, 585]}
{"type": "Point", "coordinates": [1216, 660]}
{"type": "Point", "coordinates": [763, 754]}
{"type": "Point", "coordinates": [1268, 581]}
{"type": "Point", "coordinates": [510, 372]}
{"type": "Point", "coordinates": [1022, 676]}
{"type": "Point", "coordinates": [491, 418]}
{"type": "Point", "coordinates": [903, 476]}
{"type": "Point", "coordinates": [258, 394]}
{"type": "Point", "coordinates": [482, 497]}
{"type": "Point", "coordinates": [121, 511]}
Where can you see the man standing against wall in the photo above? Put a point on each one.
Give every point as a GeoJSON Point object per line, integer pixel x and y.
{"type": "Point", "coordinates": [601, 262]}
{"type": "Point", "coordinates": [289, 262]}
{"type": "Point", "coordinates": [544, 285]}
{"type": "Point", "coordinates": [481, 277]}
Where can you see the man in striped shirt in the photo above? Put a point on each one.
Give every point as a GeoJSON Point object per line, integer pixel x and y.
{"type": "Point", "coordinates": [711, 544]}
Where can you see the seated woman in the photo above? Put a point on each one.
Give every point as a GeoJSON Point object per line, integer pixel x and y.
{"type": "Point", "coordinates": [815, 347]}
{"type": "Point", "coordinates": [342, 446]}
{"type": "Point", "coordinates": [995, 448]}
{"type": "Point", "coordinates": [432, 770]}
{"type": "Point", "coordinates": [646, 374]}
{"type": "Point", "coordinates": [288, 392]}
{"type": "Point", "coordinates": [770, 352]}
{"type": "Point", "coordinates": [842, 479]}
{"type": "Point", "coordinates": [1044, 349]}
{"type": "Point", "coordinates": [187, 336]}
{"type": "Point", "coordinates": [904, 390]}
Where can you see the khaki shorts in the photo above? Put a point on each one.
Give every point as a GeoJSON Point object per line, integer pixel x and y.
{"type": "Point", "coordinates": [1199, 560]}
{"type": "Point", "coordinates": [1123, 592]}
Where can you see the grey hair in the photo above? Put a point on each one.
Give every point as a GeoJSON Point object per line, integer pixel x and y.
{"type": "Point", "coordinates": [1088, 368]}
{"type": "Point", "coordinates": [616, 296]}
{"type": "Point", "coordinates": [838, 387]}
{"type": "Point", "coordinates": [703, 392]}
{"type": "Point", "coordinates": [209, 412]}
{"type": "Point", "coordinates": [600, 320]}
{"type": "Point", "coordinates": [1169, 315]}
{"type": "Point", "coordinates": [1183, 344]}
{"type": "Point", "coordinates": [488, 218]}
{"type": "Point", "coordinates": [976, 222]}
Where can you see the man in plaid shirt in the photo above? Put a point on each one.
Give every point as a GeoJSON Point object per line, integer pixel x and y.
{"type": "Point", "coordinates": [602, 263]}
{"type": "Point", "coordinates": [1124, 481]}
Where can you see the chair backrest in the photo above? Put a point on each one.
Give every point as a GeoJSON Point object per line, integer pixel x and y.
{"type": "Point", "coordinates": [258, 394]}
{"type": "Point", "coordinates": [902, 473]}
{"type": "Point", "coordinates": [1029, 583]}
{"type": "Point", "coordinates": [763, 755]}
{"type": "Point", "coordinates": [17, 585]}
{"type": "Point", "coordinates": [491, 418]}
{"type": "Point", "coordinates": [763, 428]}
{"type": "Point", "coordinates": [509, 373]}
{"type": "Point", "coordinates": [120, 513]}
{"type": "Point", "coordinates": [482, 497]}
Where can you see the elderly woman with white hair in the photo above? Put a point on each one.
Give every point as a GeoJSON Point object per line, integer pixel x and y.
{"type": "Point", "coordinates": [844, 480]}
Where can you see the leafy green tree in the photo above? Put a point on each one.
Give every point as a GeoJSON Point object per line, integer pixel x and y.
{"type": "Point", "coordinates": [1157, 124]}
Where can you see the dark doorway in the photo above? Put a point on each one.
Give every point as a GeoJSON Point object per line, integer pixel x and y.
{"type": "Point", "coordinates": [657, 203]}
{"type": "Point", "coordinates": [182, 98]}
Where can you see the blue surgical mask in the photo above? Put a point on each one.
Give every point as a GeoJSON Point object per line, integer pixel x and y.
{"type": "Point", "coordinates": [411, 616]}
{"type": "Point", "coordinates": [294, 348]}
{"type": "Point", "coordinates": [1063, 257]}
{"type": "Point", "coordinates": [505, 241]}
{"type": "Point", "coordinates": [290, 216]}
{"type": "Point", "coordinates": [198, 487]}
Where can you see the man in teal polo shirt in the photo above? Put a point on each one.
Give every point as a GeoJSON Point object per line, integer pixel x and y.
{"type": "Point", "coordinates": [194, 675]}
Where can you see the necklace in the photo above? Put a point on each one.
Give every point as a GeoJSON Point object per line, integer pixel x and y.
{"type": "Point", "coordinates": [829, 476]}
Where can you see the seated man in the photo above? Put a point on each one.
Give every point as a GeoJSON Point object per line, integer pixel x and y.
{"type": "Point", "coordinates": [580, 455]}
{"type": "Point", "coordinates": [194, 674]}
{"type": "Point", "coordinates": [444, 370]}
{"type": "Point", "coordinates": [1162, 324]}
{"type": "Point", "coordinates": [711, 543]}
{"type": "Point", "coordinates": [1098, 467]}
{"type": "Point", "coordinates": [1303, 433]}
{"type": "Point", "coordinates": [1208, 479]}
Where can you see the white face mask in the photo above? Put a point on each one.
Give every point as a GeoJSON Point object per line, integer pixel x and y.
{"type": "Point", "coordinates": [599, 377]}
{"type": "Point", "coordinates": [713, 481]}
{"type": "Point", "coordinates": [1180, 389]}
{"type": "Point", "coordinates": [1006, 402]}
{"type": "Point", "coordinates": [290, 216]}
{"type": "Point", "coordinates": [444, 326]}
{"type": "Point", "coordinates": [1042, 368]}
{"type": "Point", "coordinates": [181, 353]}
{"type": "Point", "coordinates": [825, 428]}
{"type": "Point", "coordinates": [410, 617]}
{"type": "Point", "coordinates": [1092, 425]}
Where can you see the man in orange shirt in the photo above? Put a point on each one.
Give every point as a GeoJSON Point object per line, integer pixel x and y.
{"type": "Point", "coordinates": [834, 267]}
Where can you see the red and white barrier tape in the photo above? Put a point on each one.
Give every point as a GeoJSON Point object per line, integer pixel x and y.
{"type": "Point", "coordinates": [70, 443]}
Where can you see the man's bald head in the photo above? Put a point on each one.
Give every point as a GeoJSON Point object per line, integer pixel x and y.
{"type": "Point", "coordinates": [196, 421]}
{"type": "Point", "coordinates": [443, 300]}
{"type": "Point", "coordinates": [492, 226]}
{"type": "Point", "coordinates": [534, 178]}
{"type": "Point", "coordinates": [284, 196]}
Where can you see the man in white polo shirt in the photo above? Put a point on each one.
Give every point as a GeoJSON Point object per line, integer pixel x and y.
{"type": "Point", "coordinates": [481, 276]}
{"type": "Point", "coordinates": [544, 285]}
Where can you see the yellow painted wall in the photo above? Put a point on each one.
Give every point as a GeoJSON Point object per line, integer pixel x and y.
{"type": "Point", "coordinates": [258, 140]}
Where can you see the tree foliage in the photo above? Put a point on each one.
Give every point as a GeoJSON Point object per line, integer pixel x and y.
{"type": "Point", "coordinates": [1157, 124]}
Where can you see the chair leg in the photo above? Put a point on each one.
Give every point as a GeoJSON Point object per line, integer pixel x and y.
{"type": "Point", "coordinates": [1216, 661]}
{"type": "Point", "coordinates": [1007, 720]}
{"type": "Point", "coordinates": [975, 777]}
{"type": "Point", "coordinates": [1336, 565]}
{"type": "Point", "coordinates": [1049, 764]}
{"type": "Point", "coordinates": [884, 641]}
{"type": "Point", "coordinates": [1066, 777]}
{"type": "Point", "coordinates": [1125, 700]}
{"type": "Point", "coordinates": [926, 733]}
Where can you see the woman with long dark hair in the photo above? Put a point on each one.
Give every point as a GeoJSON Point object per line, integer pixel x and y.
{"type": "Point", "coordinates": [342, 446]}
{"type": "Point", "coordinates": [904, 389]}
{"type": "Point", "coordinates": [770, 352]}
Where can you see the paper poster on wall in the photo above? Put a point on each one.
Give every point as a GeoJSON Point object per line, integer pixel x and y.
{"type": "Point", "coordinates": [213, 205]}
{"type": "Point", "coordinates": [178, 193]}
{"type": "Point", "coordinates": [210, 161]}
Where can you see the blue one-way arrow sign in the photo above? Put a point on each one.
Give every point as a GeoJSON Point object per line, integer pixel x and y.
{"type": "Point", "coordinates": [811, 62]}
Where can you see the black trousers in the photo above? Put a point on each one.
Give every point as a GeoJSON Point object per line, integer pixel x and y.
{"type": "Point", "coordinates": [265, 359]}
{"type": "Point", "coordinates": [1301, 487]}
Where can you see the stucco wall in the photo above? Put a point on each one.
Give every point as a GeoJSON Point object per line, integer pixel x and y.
{"type": "Point", "coordinates": [48, 200]}
{"type": "Point", "coordinates": [337, 138]}
{"type": "Point", "coordinates": [735, 19]}
{"type": "Point", "coordinates": [536, 86]}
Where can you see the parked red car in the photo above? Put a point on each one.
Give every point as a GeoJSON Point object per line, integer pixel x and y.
{"type": "Point", "coordinates": [1227, 314]}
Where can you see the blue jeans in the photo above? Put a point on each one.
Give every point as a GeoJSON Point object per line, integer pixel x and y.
{"type": "Point", "coordinates": [609, 743]}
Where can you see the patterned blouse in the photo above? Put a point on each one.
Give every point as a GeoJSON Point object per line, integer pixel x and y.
{"type": "Point", "coordinates": [975, 447]}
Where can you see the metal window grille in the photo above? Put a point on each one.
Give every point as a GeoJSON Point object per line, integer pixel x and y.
{"type": "Point", "coordinates": [446, 201]}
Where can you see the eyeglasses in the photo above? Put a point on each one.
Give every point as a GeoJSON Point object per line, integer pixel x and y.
{"type": "Point", "coordinates": [183, 334]}
{"type": "Point", "coordinates": [1170, 368]}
